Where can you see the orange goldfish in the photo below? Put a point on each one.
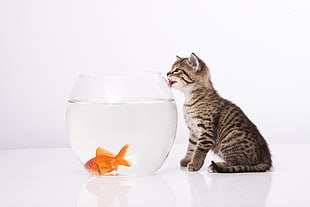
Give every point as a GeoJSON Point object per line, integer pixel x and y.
{"type": "Point", "coordinates": [106, 162]}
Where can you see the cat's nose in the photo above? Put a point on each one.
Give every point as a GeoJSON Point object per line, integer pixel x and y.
{"type": "Point", "coordinates": [168, 73]}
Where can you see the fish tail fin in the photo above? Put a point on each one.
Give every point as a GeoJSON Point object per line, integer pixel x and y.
{"type": "Point", "coordinates": [120, 157]}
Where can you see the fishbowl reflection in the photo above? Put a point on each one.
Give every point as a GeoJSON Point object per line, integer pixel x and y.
{"type": "Point", "coordinates": [125, 192]}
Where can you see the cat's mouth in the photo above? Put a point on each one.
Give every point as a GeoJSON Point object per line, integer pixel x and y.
{"type": "Point", "coordinates": [170, 83]}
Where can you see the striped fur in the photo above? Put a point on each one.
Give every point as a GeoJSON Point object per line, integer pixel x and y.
{"type": "Point", "coordinates": [216, 124]}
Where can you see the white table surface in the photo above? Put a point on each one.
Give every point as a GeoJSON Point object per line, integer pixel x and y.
{"type": "Point", "coordinates": [54, 177]}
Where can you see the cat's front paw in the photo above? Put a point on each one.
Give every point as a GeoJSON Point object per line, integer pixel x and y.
{"type": "Point", "coordinates": [184, 162]}
{"type": "Point", "coordinates": [194, 166]}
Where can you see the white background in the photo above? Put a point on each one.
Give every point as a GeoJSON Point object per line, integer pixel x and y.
{"type": "Point", "coordinates": [257, 50]}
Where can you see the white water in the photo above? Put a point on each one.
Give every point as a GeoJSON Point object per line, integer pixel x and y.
{"type": "Point", "coordinates": [148, 127]}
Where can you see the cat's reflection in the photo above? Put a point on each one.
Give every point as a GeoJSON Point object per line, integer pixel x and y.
{"type": "Point", "coordinates": [125, 192]}
{"type": "Point", "coordinates": [242, 189]}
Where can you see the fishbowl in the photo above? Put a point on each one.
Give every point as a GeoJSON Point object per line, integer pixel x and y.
{"type": "Point", "coordinates": [121, 124]}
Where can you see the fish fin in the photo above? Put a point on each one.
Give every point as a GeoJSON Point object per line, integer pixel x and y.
{"type": "Point", "coordinates": [112, 169]}
{"type": "Point", "coordinates": [120, 156]}
{"type": "Point", "coordinates": [100, 151]}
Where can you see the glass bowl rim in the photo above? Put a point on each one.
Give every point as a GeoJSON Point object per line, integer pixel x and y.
{"type": "Point", "coordinates": [118, 73]}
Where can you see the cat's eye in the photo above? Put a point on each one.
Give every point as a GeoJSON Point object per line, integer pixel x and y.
{"type": "Point", "coordinates": [177, 70]}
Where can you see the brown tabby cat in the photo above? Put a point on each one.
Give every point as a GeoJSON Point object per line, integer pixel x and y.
{"type": "Point", "coordinates": [216, 124]}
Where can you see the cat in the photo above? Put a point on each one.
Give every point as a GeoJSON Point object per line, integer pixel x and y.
{"type": "Point", "coordinates": [216, 124]}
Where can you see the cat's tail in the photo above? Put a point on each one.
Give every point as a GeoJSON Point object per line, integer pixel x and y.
{"type": "Point", "coordinates": [262, 167]}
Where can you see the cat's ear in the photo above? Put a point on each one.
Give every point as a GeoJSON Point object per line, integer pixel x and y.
{"type": "Point", "coordinates": [194, 62]}
{"type": "Point", "coordinates": [178, 58]}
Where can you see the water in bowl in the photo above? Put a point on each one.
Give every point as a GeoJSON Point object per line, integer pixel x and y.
{"type": "Point", "coordinates": [147, 126]}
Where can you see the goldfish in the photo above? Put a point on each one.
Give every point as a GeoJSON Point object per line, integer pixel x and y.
{"type": "Point", "coordinates": [106, 162]}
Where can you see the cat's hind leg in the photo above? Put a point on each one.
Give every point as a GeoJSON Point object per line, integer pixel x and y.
{"type": "Point", "coordinates": [213, 168]}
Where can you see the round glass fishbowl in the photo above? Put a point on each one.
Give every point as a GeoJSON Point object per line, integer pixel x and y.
{"type": "Point", "coordinates": [121, 124]}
